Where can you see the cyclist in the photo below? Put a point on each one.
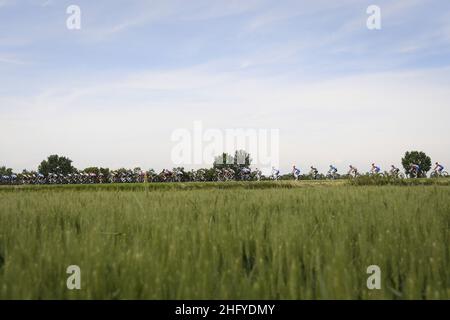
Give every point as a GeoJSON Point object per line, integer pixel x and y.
{"type": "Point", "coordinates": [258, 174]}
{"type": "Point", "coordinates": [415, 169]}
{"type": "Point", "coordinates": [166, 174]}
{"type": "Point", "coordinates": [275, 173]}
{"type": "Point", "coordinates": [245, 173]}
{"type": "Point", "coordinates": [394, 170]}
{"type": "Point", "coordinates": [353, 171]}
{"type": "Point", "coordinates": [246, 170]}
{"type": "Point", "coordinates": [332, 171]}
{"type": "Point", "coordinates": [314, 172]}
{"type": "Point", "coordinates": [375, 169]}
{"type": "Point", "coordinates": [438, 168]}
{"type": "Point", "coordinates": [295, 172]}
{"type": "Point", "coordinates": [229, 173]}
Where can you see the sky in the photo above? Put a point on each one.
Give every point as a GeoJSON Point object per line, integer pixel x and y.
{"type": "Point", "coordinates": [113, 93]}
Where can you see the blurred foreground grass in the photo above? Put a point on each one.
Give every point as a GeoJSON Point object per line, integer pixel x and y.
{"type": "Point", "coordinates": [288, 242]}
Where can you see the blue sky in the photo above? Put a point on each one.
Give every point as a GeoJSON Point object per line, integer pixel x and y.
{"type": "Point", "coordinates": [111, 93]}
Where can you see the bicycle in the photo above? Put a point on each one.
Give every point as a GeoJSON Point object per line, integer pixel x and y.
{"type": "Point", "coordinates": [332, 175]}
{"type": "Point", "coordinates": [439, 174]}
{"type": "Point", "coordinates": [396, 174]}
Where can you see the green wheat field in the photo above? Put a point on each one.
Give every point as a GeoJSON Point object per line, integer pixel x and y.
{"type": "Point", "coordinates": [255, 240]}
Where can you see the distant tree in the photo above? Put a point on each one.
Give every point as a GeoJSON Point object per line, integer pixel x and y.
{"type": "Point", "coordinates": [242, 159]}
{"type": "Point", "coordinates": [56, 164]}
{"type": "Point", "coordinates": [95, 170]}
{"type": "Point", "coordinates": [105, 171]}
{"type": "Point", "coordinates": [417, 157]}
{"type": "Point", "coordinates": [122, 171]}
{"type": "Point", "coordinates": [223, 160]}
{"type": "Point", "coordinates": [210, 174]}
{"type": "Point", "coordinates": [28, 172]}
{"type": "Point", "coordinates": [4, 171]}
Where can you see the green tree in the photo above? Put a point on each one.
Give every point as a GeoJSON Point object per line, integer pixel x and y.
{"type": "Point", "coordinates": [56, 164]}
{"type": "Point", "coordinates": [223, 160]}
{"type": "Point", "coordinates": [121, 171]}
{"type": "Point", "coordinates": [105, 172]}
{"type": "Point", "coordinates": [416, 157]}
{"type": "Point", "coordinates": [137, 170]}
{"type": "Point", "coordinates": [95, 170]}
{"type": "Point", "coordinates": [209, 174]}
{"type": "Point", "coordinates": [242, 159]}
{"type": "Point", "coordinates": [4, 171]}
